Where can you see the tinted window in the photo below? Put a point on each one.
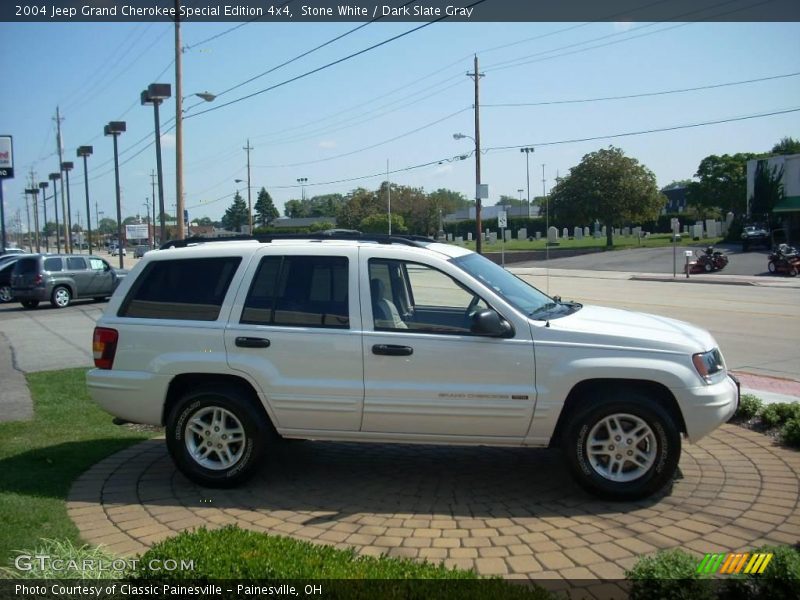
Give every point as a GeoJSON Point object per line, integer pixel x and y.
{"type": "Point", "coordinates": [191, 289]}
{"type": "Point", "coordinates": [26, 266]}
{"type": "Point", "coordinates": [53, 264]}
{"type": "Point", "coordinates": [76, 263]}
{"type": "Point", "coordinates": [306, 291]}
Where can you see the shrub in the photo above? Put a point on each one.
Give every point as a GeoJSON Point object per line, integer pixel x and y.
{"type": "Point", "coordinates": [669, 574]}
{"type": "Point", "coordinates": [749, 407]}
{"type": "Point", "coordinates": [233, 553]}
{"type": "Point", "coordinates": [779, 581]}
{"type": "Point", "coordinates": [790, 433]}
{"type": "Point", "coordinates": [780, 412]}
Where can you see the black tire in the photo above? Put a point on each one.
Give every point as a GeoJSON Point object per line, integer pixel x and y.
{"type": "Point", "coordinates": [29, 303]}
{"type": "Point", "coordinates": [771, 266]}
{"type": "Point", "coordinates": [5, 294]}
{"type": "Point", "coordinates": [661, 447]}
{"type": "Point", "coordinates": [792, 271]}
{"type": "Point", "coordinates": [61, 297]}
{"type": "Point", "coordinates": [239, 414]}
{"type": "Point", "coordinates": [708, 267]}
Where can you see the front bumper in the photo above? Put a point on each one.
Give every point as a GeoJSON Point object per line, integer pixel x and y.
{"type": "Point", "coordinates": [707, 407]}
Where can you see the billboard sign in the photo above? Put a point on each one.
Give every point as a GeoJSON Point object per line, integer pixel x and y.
{"type": "Point", "coordinates": [6, 157]}
{"type": "Point", "coordinates": [137, 232]}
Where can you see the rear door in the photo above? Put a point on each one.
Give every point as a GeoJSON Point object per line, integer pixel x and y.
{"type": "Point", "coordinates": [295, 329]}
{"type": "Point", "coordinates": [26, 273]}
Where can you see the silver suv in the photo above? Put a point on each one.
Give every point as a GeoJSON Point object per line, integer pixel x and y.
{"type": "Point", "coordinates": [60, 278]}
{"type": "Point", "coordinates": [235, 344]}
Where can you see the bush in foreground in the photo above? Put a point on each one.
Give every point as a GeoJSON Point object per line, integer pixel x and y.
{"type": "Point", "coordinates": [749, 407]}
{"type": "Point", "coordinates": [669, 574]}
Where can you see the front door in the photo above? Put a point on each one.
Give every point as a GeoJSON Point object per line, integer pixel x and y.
{"type": "Point", "coordinates": [425, 373]}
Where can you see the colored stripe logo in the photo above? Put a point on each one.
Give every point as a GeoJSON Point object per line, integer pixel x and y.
{"type": "Point", "coordinates": [734, 563]}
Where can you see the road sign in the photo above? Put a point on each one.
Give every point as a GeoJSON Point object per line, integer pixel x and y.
{"type": "Point", "coordinates": [502, 219]}
{"type": "Point", "coordinates": [6, 157]}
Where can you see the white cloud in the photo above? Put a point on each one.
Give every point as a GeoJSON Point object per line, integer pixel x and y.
{"type": "Point", "coordinates": [327, 144]}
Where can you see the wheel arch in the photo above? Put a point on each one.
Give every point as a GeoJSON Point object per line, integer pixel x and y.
{"type": "Point", "coordinates": [581, 394]}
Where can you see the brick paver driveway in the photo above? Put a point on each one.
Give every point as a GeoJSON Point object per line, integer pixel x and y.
{"type": "Point", "coordinates": [514, 512]}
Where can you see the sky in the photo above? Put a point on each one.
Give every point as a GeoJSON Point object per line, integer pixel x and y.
{"type": "Point", "coordinates": [397, 105]}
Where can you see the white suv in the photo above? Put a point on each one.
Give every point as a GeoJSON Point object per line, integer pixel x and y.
{"type": "Point", "coordinates": [235, 344]}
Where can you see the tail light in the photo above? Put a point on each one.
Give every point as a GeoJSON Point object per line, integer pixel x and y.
{"type": "Point", "coordinates": [104, 347]}
{"type": "Point", "coordinates": [38, 279]}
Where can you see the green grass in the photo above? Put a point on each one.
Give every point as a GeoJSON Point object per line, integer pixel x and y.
{"type": "Point", "coordinates": [620, 243]}
{"type": "Point", "coordinates": [40, 459]}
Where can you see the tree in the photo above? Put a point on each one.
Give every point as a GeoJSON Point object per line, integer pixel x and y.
{"type": "Point", "coordinates": [787, 145]}
{"type": "Point", "coordinates": [379, 223]}
{"type": "Point", "coordinates": [678, 183]}
{"type": "Point", "coordinates": [721, 185]}
{"type": "Point", "coordinates": [107, 226]}
{"type": "Point", "coordinates": [767, 189]}
{"type": "Point", "coordinates": [609, 187]}
{"type": "Point", "coordinates": [205, 222]}
{"type": "Point", "coordinates": [361, 203]}
{"type": "Point", "coordinates": [265, 209]}
{"type": "Point", "coordinates": [510, 201]}
{"type": "Point", "coordinates": [236, 215]}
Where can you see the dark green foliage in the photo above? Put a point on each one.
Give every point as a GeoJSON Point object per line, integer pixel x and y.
{"type": "Point", "coordinates": [790, 433]}
{"type": "Point", "coordinates": [233, 553]}
{"type": "Point", "coordinates": [779, 413]}
{"type": "Point", "coordinates": [779, 581]}
{"type": "Point", "coordinates": [236, 215]}
{"type": "Point", "coordinates": [670, 574]}
{"type": "Point", "coordinates": [749, 407]}
{"type": "Point", "coordinates": [265, 209]}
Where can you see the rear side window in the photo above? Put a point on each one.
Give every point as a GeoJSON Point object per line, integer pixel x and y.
{"type": "Point", "coordinates": [300, 291]}
{"type": "Point", "coordinates": [27, 266]}
{"type": "Point", "coordinates": [187, 290]}
{"type": "Point", "coordinates": [53, 264]}
{"type": "Point", "coordinates": [76, 263]}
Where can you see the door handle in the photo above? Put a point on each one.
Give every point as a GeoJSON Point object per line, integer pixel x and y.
{"type": "Point", "coordinates": [392, 350]}
{"type": "Point", "coordinates": [252, 342]}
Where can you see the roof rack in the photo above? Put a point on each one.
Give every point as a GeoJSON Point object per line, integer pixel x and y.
{"type": "Point", "coordinates": [339, 234]}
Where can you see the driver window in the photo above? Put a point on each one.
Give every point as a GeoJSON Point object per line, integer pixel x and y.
{"type": "Point", "coordinates": [415, 297]}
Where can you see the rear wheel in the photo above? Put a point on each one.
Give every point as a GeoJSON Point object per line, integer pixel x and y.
{"type": "Point", "coordinates": [29, 303]}
{"type": "Point", "coordinates": [792, 271]}
{"type": "Point", "coordinates": [5, 294]}
{"type": "Point", "coordinates": [217, 436]}
{"type": "Point", "coordinates": [771, 266]}
{"type": "Point", "coordinates": [708, 267]}
{"type": "Point", "coordinates": [61, 297]}
{"type": "Point", "coordinates": [624, 447]}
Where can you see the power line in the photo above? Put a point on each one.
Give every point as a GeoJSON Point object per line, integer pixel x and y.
{"type": "Point", "coordinates": [644, 94]}
{"type": "Point", "coordinates": [328, 65]}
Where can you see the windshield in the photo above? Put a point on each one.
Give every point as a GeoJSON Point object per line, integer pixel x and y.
{"type": "Point", "coordinates": [511, 288]}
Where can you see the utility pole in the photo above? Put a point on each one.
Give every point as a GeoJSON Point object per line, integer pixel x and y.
{"type": "Point", "coordinates": [249, 204]}
{"type": "Point", "coordinates": [153, 185]}
{"type": "Point", "coordinates": [389, 195]}
{"type": "Point", "coordinates": [64, 211]}
{"type": "Point", "coordinates": [28, 215]}
{"type": "Point", "coordinates": [476, 76]}
{"type": "Point", "coordinates": [547, 216]}
{"type": "Point", "coordinates": [178, 125]}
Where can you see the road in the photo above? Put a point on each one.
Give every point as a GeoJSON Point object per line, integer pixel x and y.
{"type": "Point", "coordinates": [658, 260]}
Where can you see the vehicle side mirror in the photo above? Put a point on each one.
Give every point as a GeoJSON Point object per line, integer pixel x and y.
{"type": "Point", "coordinates": [489, 323]}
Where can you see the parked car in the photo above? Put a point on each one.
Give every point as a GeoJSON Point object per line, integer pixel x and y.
{"type": "Point", "coordinates": [754, 235]}
{"type": "Point", "coordinates": [232, 344]}
{"type": "Point", "coordinates": [6, 268]}
{"type": "Point", "coordinates": [12, 251]}
{"type": "Point", "coordinates": [140, 251]}
{"type": "Point", "coordinates": [60, 278]}
{"type": "Point", "coordinates": [114, 250]}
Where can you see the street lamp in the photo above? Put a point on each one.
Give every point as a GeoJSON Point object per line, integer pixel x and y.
{"type": "Point", "coordinates": [302, 181]}
{"type": "Point", "coordinates": [34, 191]}
{"type": "Point", "coordinates": [155, 94]}
{"type": "Point", "coordinates": [85, 152]}
{"type": "Point", "coordinates": [528, 151]}
{"type": "Point", "coordinates": [114, 129]}
{"type": "Point", "coordinates": [43, 186]}
{"type": "Point", "coordinates": [478, 227]}
{"type": "Point", "coordinates": [147, 206]}
{"type": "Point", "coordinates": [55, 177]}
{"type": "Point", "coordinates": [67, 166]}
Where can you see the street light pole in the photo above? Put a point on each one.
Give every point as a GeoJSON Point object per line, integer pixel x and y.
{"type": "Point", "coordinates": [85, 152]}
{"type": "Point", "coordinates": [67, 167]}
{"type": "Point", "coordinates": [114, 129]}
{"type": "Point", "coordinates": [249, 192]}
{"type": "Point", "coordinates": [527, 151]}
{"type": "Point", "coordinates": [155, 94]}
{"type": "Point", "coordinates": [43, 186]}
{"type": "Point", "coordinates": [34, 192]}
{"type": "Point", "coordinates": [55, 177]}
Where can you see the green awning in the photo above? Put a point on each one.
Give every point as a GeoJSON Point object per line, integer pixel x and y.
{"type": "Point", "coordinates": [788, 204]}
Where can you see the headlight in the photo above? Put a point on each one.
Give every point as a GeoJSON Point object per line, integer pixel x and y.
{"type": "Point", "coordinates": [708, 363]}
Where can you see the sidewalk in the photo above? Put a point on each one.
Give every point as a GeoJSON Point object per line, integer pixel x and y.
{"type": "Point", "coordinates": [770, 389]}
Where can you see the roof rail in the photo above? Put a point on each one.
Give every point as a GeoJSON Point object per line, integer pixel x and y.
{"type": "Point", "coordinates": [266, 238]}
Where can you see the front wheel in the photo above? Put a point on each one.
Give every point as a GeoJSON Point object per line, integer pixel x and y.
{"type": "Point", "coordinates": [771, 267]}
{"type": "Point", "coordinates": [623, 448]}
{"type": "Point", "coordinates": [217, 436]}
{"type": "Point", "coordinates": [708, 267]}
{"type": "Point", "coordinates": [5, 294]}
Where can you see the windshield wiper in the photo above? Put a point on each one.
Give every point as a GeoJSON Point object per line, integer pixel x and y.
{"type": "Point", "coordinates": [543, 308]}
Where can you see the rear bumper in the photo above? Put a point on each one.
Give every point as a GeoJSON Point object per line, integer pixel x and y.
{"type": "Point", "coordinates": [134, 396]}
{"type": "Point", "coordinates": [37, 293]}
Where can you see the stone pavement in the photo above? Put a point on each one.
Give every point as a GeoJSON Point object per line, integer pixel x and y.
{"type": "Point", "coordinates": [508, 511]}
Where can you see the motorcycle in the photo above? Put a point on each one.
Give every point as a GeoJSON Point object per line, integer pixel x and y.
{"type": "Point", "coordinates": [707, 261]}
{"type": "Point", "coordinates": [784, 259]}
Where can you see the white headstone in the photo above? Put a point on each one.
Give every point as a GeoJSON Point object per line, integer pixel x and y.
{"type": "Point", "coordinates": [565, 233]}
{"type": "Point", "coordinates": [585, 232]}
{"type": "Point", "coordinates": [469, 236]}
{"type": "Point", "coordinates": [552, 235]}
{"type": "Point", "coordinates": [459, 240]}
{"type": "Point", "coordinates": [697, 232]}
{"type": "Point", "coordinates": [507, 234]}
{"type": "Point", "coordinates": [636, 231]}
{"type": "Point", "coordinates": [603, 231]}
{"type": "Point", "coordinates": [493, 237]}
{"type": "Point", "coordinates": [578, 233]}
{"type": "Point", "coordinates": [538, 235]}
{"type": "Point", "coordinates": [626, 231]}
{"type": "Point", "coordinates": [449, 237]}
{"type": "Point", "coordinates": [522, 233]}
